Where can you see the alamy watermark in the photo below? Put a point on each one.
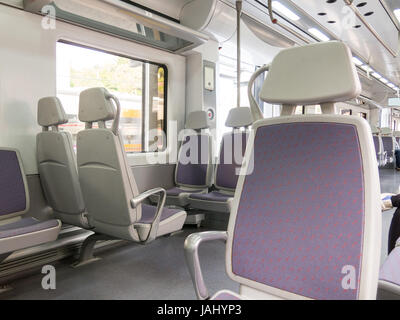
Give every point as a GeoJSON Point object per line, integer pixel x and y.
{"type": "Point", "coordinates": [49, 280]}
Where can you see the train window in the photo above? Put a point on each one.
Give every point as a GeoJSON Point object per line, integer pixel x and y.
{"type": "Point", "coordinates": [313, 109]}
{"type": "Point", "coordinates": [139, 85]}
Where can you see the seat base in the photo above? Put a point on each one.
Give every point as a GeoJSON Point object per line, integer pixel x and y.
{"type": "Point", "coordinates": [79, 263]}
{"type": "Point", "coordinates": [86, 255]}
{"type": "Point", "coordinates": [209, 202]}
{"type": "Point", "coordinates": [171, 224]}
{"type": "Point", "coordinates": [179, 197]}
{"type": "Point", "coordinates": [195, 218]}
{"type": "Point", "coordinates": [27, 232]}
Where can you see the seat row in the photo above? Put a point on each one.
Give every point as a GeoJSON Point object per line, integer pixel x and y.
{"type": "Point", "coordinates": [95, 190]}
{"type": "Point", "coordinates": [305, 221]}
{"type": "Point", "coordinates": [386, 143]}
{"type": "Point", "coordinates": [194, 187]}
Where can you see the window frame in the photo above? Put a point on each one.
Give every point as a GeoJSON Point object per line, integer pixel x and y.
{"type": "Point", "coordinates": [122, 55]}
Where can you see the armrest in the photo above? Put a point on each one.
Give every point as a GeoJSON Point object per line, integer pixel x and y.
{"type": "Point", "coordinates": [160, 206]}
{"type": "Point", "coordinates": [192, 244]}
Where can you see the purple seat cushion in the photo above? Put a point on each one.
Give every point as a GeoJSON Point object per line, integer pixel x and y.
{"type": "Point", "coordinates": [225, 296]}
{"type": "Point", "coordinates": [388, 145]}
{"type": "Point", "coordinates": [300, 219]}
{"type": "Point", "coordinates": [12, 187]}
{"type": "Point", "coordinates": [193, 161]}
{"type": "Point", "coordinates": [233, 147]}
{"type": "Point", "coordinates": [390, 271]}
{"type": "Point", "coordinates": [175, 192]}
{"type": "Point", "coordinates": [211, 196]}
{"type": "Point", "coordinates": [149, 212]}
{"type": "Point", "coordinates": [24, 226]}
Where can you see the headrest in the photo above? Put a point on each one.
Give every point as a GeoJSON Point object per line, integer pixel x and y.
{"type": "Point", "coordinates": [95, 105]}
{"type": "Point", "coordinates": [51, 112]}
{"type": "Point", "coordinates": [239, 117]}
{"type": "Point", "coordinates": [396, 133]}
{"type": "Point", "coordinates": [386, 131]}
{"type": "Point", "coordinates": [312, 74]}
{"type": "Point", "coordinates": [374, 129]}
{"type": "Point", "coordinates": [197, 120]}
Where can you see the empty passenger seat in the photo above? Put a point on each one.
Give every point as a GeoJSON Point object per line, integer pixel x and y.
{"type": "Point", "coordinates": [109, 188]}
{"type": "Point", "coordinates": [381, 156]}
{"type": "Point", "coordinates": [305, 221]}
{"type": "Point", "coordinates": [193, 172]}
{"type": "Point", "coordinates": [17, 232]}
{"type": "Point", "coordinates": [233, 146]}
{"type": "Point", "coordinates": [57, 165]}
{"type": "Point", "coordinates": [389, 277]}
{"type": "Point", "coordinates": [389, 144]}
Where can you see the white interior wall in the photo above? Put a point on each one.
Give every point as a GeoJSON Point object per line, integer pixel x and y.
{"type": "Point", "coordinates": [28, 73]}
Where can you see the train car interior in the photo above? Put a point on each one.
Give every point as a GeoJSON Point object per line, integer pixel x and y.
{"type": "Point", "coordinates": [199, 150]}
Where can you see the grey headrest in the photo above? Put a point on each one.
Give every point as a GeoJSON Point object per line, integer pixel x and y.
{"type": "Point", "coordinates": [197, 120]}
{"type": "Point", "coordinates": [386, 131]}
{"type": "Point", "coordinates": [374, 129]}
{"type": "Point", "coordinates": [312, 74]}
{"type": "Point", "coordinates": [239, 117]}
{"type": "Point", "coordinates": [51, 112]}
{"type": "Point", "coordinates": [95, 105]}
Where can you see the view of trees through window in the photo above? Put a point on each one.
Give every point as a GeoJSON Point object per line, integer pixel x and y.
{"type": "Point", "coordinates": [140, 87]}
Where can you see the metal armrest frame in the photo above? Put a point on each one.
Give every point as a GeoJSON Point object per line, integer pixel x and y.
{"type": "Point", "coordinates": [160, 206]}
{"type": "Point", "coordinates": [192, 244]}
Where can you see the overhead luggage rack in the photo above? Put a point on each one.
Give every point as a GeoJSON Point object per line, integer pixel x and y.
{"type": "Point", "coordinates": [124, 20]}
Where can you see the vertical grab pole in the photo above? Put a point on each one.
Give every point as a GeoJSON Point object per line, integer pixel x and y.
{"type": "Point", "coordinates": [238, 66]}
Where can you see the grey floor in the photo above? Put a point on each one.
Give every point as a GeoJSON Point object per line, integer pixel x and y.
{"type": "Point", "coordinates": [156, 271]}
{"type": "Point", "coordinates": [152, 272]}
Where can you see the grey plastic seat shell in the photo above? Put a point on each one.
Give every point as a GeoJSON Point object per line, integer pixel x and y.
{"type": "Point", "coordinates": [221, 199]}
{"type": "Point", "coordinates": [57, 165]}
{"type": "Point", "coordinates": [18, 232]}
{"type": "Point", "coordinates": [249, 256]}
{"type": "Point", "coordinates": [106, 179]}
{"type": "Point", "coordinates": [178, 196]}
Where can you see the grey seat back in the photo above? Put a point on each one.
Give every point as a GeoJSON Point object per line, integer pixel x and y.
{"type": "Point", "coordinates": [306, 221]}
{"type": "Point", "coordinates": [57, 164]}
{"type": "Point", "coordinates": [232, 149]}
{"type": "Point", "coordinates": [105, 176]}
{"type": "Point", "coordinates": [194, 166]}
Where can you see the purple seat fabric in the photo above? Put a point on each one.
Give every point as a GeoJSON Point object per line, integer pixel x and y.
{"type": "Point", "coordinates": [390, 270]}
{"type": "Point", "coordinates": [388, 145]}
{"type": "Point", "coordinates": [233, 147]}
{"type": "Point", "coordinates": [12, 187]}
{"type": "Point", "coordinates": [175, 192]}
{"type": "Point", "coordinates": [24, 226]}
{"type": "Point", "coordinates": [148, 213]}
{"type": "Point", "coordinates": [300, 218]}
{"type": "Point", "coordinates": [192, 168]}
{"type": "Point", "coordinates": [376, 144]}
{"type": "Point", "coordinates": [225, 296]}
{"type": "Point", "coordinates": [211, 196]}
